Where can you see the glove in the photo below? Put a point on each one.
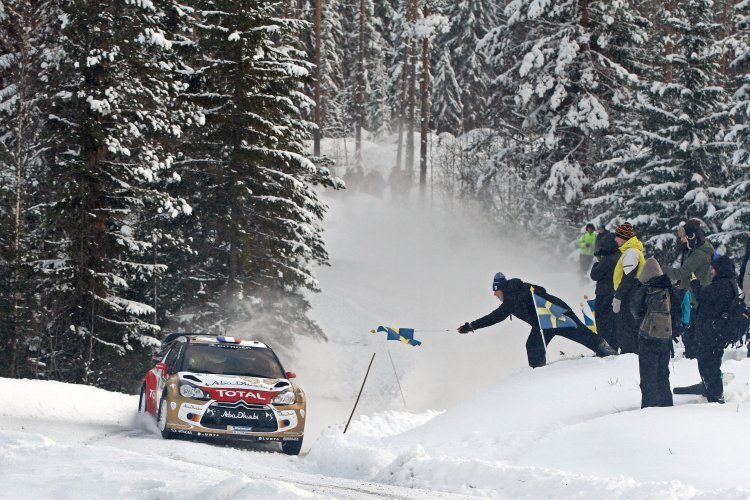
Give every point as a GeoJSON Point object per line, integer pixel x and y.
{"type": "Point", "coordinates": [465, 328]}
{"type": "Point", "coordinates": [616, 305]}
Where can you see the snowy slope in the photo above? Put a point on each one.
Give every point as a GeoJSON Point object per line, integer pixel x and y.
{"type": "Point", "coordinates": [459, 416]}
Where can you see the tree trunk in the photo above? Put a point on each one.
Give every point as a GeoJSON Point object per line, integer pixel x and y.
{"type": "Point", "coordinates": [318, 125]}
{"type": "Point", "coordinates": [18, 225]}
{"type": "Point", "coordinates": [412, 100]}
{"type": "Point", "coordinates": [425, 115]}
{"type": "Point", "coordinates": [360, 88]}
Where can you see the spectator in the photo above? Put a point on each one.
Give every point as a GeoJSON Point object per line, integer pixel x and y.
{"type": "Point", "coordinates": [654, 302]}
{"type": "Point", "coordinates": [605, 260]}
{"type": "Point", "coordinates": [624, 279]}
{"type": "Point", "coordinates": [586, 247]}
{"type": "Point", "coordinates": [517, 301]}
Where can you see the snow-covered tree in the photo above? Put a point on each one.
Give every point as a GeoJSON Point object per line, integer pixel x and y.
{"type": "Point", "coordinates": [112, 121]}
{"type": "Point", "coordinates": [681, 157]}
{"type": "Point", "coordinates": [561, 67]}
{"type": "Point", "coordinates": [255, 225]}
{"type": "Point", "coordinates": [447, 110]}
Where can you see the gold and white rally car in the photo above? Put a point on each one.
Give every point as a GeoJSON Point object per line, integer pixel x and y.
{"type": "Point", "coordinates": [224, 387]}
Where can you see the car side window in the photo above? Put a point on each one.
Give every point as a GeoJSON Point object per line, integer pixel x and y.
{"type": "Point", "coordinates": [172, 357]}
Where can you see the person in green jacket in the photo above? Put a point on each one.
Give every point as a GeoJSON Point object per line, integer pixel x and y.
{"type": "Point", "coordinates": [694, 271]}
{"type": "Point", "coordinates": [586, 245]}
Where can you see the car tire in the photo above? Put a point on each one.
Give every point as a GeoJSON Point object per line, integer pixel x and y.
{"type": "Point", "coordinates": [291, 447]}
{"type": "Point", "coordinates": [161, 419]}
{"type": "Point", "coordinates": [142, 400]}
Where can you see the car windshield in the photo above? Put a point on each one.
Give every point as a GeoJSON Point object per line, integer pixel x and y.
{"type": "Point", "coordinates": [232, 359]}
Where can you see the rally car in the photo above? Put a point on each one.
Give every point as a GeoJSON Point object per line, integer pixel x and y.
{"type": "Point", "coordinates": [224, 388]}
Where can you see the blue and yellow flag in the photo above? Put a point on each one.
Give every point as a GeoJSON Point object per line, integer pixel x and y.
{"type": "Point", "coordinates": [589, 319]}
{"type": "Point", "coordinates": [551, 315]}
{"type": "Point", "coordinates": [405, 335]}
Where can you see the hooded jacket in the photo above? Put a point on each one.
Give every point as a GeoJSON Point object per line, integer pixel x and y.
{"type": "Point", "coordinates": [586, 243]}
{"type": "Point", "coordinates": [517, 301]}
{"type": "Point", "coordinates": [604, 269]}
{"type": "Point", "coordinates": [715, 299]}
{"type": "Point", "coordinates": [654, 302]}
{"type": "Point", "coordinates": [628, 267]}
{"type": "Point", "coordinates": [697, 261]}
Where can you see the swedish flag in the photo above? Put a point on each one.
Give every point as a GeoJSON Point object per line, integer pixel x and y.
{"type": "Point", "coordinates": [551, 315]}
{"type": "Point", "coordinates": [405, 335]}
{"type": "Point", "coordinates": [590, 319]}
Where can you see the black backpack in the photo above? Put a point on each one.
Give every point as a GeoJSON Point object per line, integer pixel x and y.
{"type": "Point", "coordinates": [734, 323]}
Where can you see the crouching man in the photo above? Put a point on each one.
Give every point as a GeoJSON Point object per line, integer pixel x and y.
{"type": "Point", "coordinates": [518, 301]}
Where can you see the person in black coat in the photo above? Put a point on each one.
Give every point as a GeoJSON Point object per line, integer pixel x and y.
{"type": "Point", "coordinates": [713, 301]}
{"type": "Point", "coordinates": [655, 305]}
{"type": "Point", "coordinates": [606, 257]}
{"type": "Point", "coordinates": [517, 301]}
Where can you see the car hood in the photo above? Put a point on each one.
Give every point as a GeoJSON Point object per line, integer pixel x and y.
{"type": "Point", "coordinates": [234, 388]}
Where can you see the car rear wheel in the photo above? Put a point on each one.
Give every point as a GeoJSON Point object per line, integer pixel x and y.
{"type": "Point", "coordinates": [161, 419]}
{"type": "Point", "coordinates": [142, 400]}
{"type": "Point", "coordinates": [291, 447]}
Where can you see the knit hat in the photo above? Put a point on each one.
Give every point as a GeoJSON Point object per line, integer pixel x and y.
{"type": "Point", "coordinates": [625, 231]}
{"type": "Point", "coordinates": [498, 282]}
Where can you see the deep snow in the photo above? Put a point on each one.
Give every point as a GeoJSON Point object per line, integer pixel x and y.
{"type": "Point", "coordinates": [477, 421]}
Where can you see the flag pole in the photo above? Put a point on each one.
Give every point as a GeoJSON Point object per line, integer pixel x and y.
{"type": "Point", "coordinates": [360, 393]}
{"type": "Point", "coordinates": [538, 322]}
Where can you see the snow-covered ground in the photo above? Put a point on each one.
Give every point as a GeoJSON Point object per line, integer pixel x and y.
{"type": "Point", "coordinates": [459, 416]}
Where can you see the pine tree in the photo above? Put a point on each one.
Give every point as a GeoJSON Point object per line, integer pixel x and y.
{"type": "Point", "coordinates": [684, 158]}
{"type": "Point", "coordinates": [28, 57]}
{"type": "Point", "coordinates": [561, 67]}
{"type": "Point", "coordinates": [447, 110]}
{"type": "Point", "coordinates": [112, 122]}
{"type": "Point", "coordinates": [255, 227]}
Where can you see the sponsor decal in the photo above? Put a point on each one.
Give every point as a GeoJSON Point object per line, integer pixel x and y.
{"type": "Point", "coordinates": [152, 394]}
{"type": "Point", "coordinates": [248, 395]}
{"type": "Point", "coordinates": [208, 434]}
{"type": "Point", "coordinates": [173, 405]}
{"type": "Point", "coordinates": [240, 414]}
{"type": "Point", "coordinates": [192, 407]}
{"type": "Point", "coordinates": [242, 429]}
{"type": "Point", "coordinates": [183, 431]}
{"type": "Point", "coordinates": [233, 382]}
{"type": "Point", "coordinates": [286, 413]}
{"type": "Point", "coordinates": [302, 412]}
{"type": "Point", "coordinates": [268, 438]}
{"type": "Point", "coordinates": [290, 439]}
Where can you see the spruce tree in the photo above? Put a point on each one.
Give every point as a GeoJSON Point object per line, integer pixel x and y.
{"type": "Point", "coordinates": [255, 224]}
{"type": "Point", "coordinates": [112, 121]}
{"type": "Point", "coordinates": [447, 110]}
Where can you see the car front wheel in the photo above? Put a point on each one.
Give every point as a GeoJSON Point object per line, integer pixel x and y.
{"type": "Point", "coordinates": [161, 419]}
{"type": "Point", "coordinates": [291, 447]}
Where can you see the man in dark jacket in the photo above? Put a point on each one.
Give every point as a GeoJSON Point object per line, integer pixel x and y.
{"type": "Point", "coordinates": [693, 273]}
{"type": "Point", "coordinates": [517, 301]}
{"type": "Point", "coordinates": [654, 304]}
{"type": "Point", "coordinates": [713, 301]}
{"type": "Point", "coordinates": [606, 257]}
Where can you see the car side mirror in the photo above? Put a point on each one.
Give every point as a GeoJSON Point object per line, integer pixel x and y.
{"type": "Point", "coordinates": [291, 375]}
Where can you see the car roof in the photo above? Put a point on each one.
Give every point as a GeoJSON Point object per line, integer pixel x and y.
{"type": "Point", "coordinates": [199, 338]}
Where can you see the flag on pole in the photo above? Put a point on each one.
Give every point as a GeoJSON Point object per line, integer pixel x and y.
{"type": "Point", "coordinates": [405, 335]}
{"type": "Point", "coordinates": [589, 318]}
{"type": "Point", "coordinates": [551, 315]}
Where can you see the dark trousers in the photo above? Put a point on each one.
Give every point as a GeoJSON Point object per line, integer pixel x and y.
{"type": "Point", "coordinates": [626, 328]}
{"type": "Point", "coordinates": [709, 366]}
{"type": "Point", "coordinates": [535, 348]}
{"type": "Point", "coordinates": [605, 320]}
{"type": "Point", "coordinates": [653, 364]}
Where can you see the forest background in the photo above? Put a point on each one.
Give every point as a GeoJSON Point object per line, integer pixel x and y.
{"type": "Point", "coordinates": [161, 168]}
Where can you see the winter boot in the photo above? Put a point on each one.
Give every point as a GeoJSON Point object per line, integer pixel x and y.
{"type": "Point", "coordinates": [698, 389]}
{"type": "Point", "coordinates": [603, 349]}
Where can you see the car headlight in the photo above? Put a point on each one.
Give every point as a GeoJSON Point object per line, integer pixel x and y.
{"type": "Point", "coordinates": [192, 392]}
{"type": "Point", "coordinates": [284, 398]}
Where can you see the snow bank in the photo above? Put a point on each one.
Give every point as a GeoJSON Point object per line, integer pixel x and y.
{"type": "Point", "coordinates": [573, 429]}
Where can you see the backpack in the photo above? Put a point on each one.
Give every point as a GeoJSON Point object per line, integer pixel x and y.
{"type": "Point", "coordinates": [657, 322]}
{"type": "Point", "coordinates": [734, 323]}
